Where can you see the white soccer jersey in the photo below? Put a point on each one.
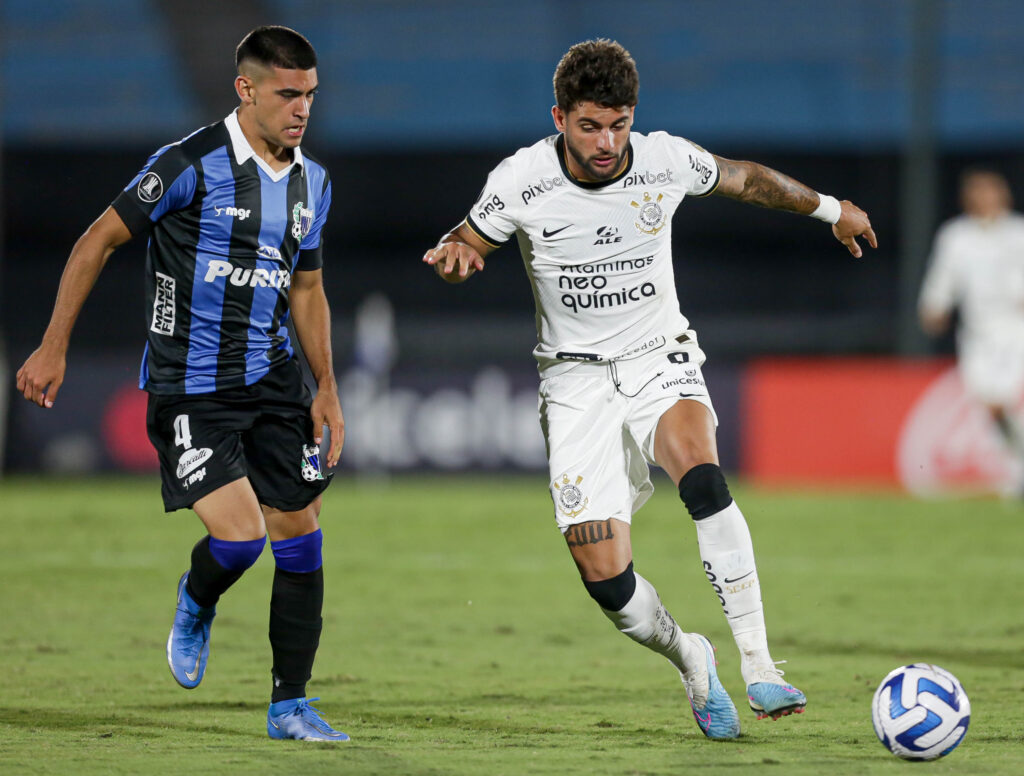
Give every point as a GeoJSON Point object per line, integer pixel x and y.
{"type": "Point", "coordinates": [598, 255]}
{"type": "Point", "coordinates": [979, 265]}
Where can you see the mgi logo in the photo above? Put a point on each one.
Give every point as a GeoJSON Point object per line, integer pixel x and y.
{"type": "Point", "coordinates": [606, 235]}
{"type": "Point", "coordinates": [540, 187]}
{"type": "Point", "coordinates": [702, 168]}
{"type": "Point", "coordinates": [647, 178]}
{"type": "Point", "coordinates": [275, 278]}
{"type": "Point", "coordinates": [235, 212]}
{"type": "Point", "coordinates": [163, 305]}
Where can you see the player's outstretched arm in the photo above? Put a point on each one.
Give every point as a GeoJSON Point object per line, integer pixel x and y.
{"type": "Point", "coordinates": [40, 377]}
{"type": "Point", "coordinates": [458, 254]}
{"type": "Point", "coordinates": [312, 318]}
{"type": "Point", "coordinates": [759, 185]}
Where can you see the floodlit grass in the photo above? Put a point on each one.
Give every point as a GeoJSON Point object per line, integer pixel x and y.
{"type": "Point", "coordinates": [458, 639]}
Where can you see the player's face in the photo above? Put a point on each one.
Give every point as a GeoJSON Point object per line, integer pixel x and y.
{"type": "Point", "coordinates": [279, 102]}
{"type": "Point", "coordinates": [986, 195]}
{"type": "Point", "coordinates": [597, 138]}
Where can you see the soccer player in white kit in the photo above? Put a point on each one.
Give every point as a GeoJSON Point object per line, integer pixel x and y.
{"type": "Point", "coordinates": [978, 264]}
{"type": "Point", "coordinates": [621, 384]}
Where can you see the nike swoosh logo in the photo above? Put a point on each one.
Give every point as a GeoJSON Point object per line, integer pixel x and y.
{"type": "Point", "coordinates": [194, 672]}
{"type": "Point", "coordinates": [701, 720]}
{"type": "Point", "coordinates": [553, 232]}
{"type": "Point", "coordinates": [730, 581]}
{"type": "Point", "coordinates": [689, 395]}
{"type": "Point", "coordinates": [278, 727]}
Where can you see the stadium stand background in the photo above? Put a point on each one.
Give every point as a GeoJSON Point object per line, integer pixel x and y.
{"type": "Point", "coordinates": [420, 99]}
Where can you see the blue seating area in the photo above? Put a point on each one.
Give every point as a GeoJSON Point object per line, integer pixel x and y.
{"type": "Point", "coordinates": [90, 73]}
{"type": "Point", "coordinates": [819, 74]}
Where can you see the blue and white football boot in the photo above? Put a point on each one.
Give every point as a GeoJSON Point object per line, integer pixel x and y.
{"type": "Point", "coordinates": [297, 719]}
{"type": "Point", "coordinates": [771, 696]}
{"type": "Point", "coordinates": [712, 707]}
{"type": "Point", "coordinates": [188, 646]}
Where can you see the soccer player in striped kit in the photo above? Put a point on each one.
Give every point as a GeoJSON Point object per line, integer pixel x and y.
{"type": "Point", "coordinates": [621, 385]}
{"type": "Point", "coordinates": [233, 215]}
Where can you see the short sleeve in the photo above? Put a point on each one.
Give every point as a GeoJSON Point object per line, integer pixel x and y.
{"type": "Point", "coordinates": [938, 291]}
{"type": "Point", "coordinates": [699, 171]}
{"type": "Point", "coordinates": [491, 217]}
{"type": "Point", "coordinates": [310, 249]}
{"type": "Point", "coordinates": [166, 183]}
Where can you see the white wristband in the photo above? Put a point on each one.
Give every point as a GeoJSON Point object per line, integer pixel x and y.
{"type": "Point", "coordinates": [828, 209]}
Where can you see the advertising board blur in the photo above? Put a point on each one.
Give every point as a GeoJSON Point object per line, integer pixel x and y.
{"type": "Point", "coordinates": [869, 421]}
{"type": "Point", "coordinates": [400, 420]}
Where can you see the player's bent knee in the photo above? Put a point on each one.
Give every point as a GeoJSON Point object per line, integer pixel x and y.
{"type": "Point", "coordinates": [237, 556]}
{"type": "Point", "coordinates": [300, 554]}
{"type": "Point", "coordinates": [314, 507]}
{"type": "Point", "coordinates": [613, 594]}
{"type": "Point", "coordinates": [703, 491]}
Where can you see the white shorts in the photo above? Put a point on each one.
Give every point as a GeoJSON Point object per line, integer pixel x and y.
{"type": "Point", "coordinates": [992, 369]}
{"type": "Point", "coordinates": [599, 421]}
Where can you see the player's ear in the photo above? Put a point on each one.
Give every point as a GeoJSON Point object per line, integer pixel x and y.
{"type": "Point", "coordinates": [559, 118]}
{"type": "Point", "coordinates": [244, 88]}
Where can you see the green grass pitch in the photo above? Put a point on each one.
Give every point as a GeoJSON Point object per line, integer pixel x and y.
{"type": "Point", "coordinates": [458, 639]}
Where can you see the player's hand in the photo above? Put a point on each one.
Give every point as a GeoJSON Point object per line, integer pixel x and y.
{"type": "Point", "coordinates": [854, 223]}
{"type": "Point", "coordinates": [41, 375]}
{"type": "Point", "coordinates": [326, 411]}
{"type": "Point", "coordinates": [454, 261]}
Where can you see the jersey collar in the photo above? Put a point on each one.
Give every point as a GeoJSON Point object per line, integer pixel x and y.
{"type": "Point", "coordinates": [560, 152]}
{"type": "Point", "coordinates": [243, 151]}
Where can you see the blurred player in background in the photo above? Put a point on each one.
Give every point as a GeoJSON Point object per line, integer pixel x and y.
{"type": "Point", "coordinates": [977, 266]}
{"type": "Point", "coordinates": [621, 385]}
{"type": "Point", "coordinates": [233, 214]}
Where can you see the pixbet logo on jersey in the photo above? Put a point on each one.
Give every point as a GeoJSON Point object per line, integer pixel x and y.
{"type": "Point", "coordinates": [239, 276]}
{"type": "Point", "coordinates": [646, 177]}
{"type": "Point", "coordinates": [540, 187]}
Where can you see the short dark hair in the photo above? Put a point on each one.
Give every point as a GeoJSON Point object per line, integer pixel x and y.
{"type": "Point", "coordinates": [275, 46]}
{"type": "Point", "coordinates": [980, 171]}
{"type": "Point", "coordinates": [599, 71]}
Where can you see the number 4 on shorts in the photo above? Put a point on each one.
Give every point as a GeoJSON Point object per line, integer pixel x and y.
{"type": "Point", "coordinates": [182, 436]}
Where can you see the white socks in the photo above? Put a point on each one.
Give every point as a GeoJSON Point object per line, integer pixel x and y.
{"type": "Point", "coordinates": [647, 622]}
{"type": "Point", "coordinates": [728, 556]}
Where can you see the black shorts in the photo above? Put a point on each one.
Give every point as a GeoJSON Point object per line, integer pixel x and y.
{"type": "Point", "coordinates": [261, 431]}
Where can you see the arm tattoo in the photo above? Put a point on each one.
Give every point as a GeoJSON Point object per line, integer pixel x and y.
{"type": "Point", "coordinates": [769, 188]}
{"type": "Point", "coordinates": [589, 533]}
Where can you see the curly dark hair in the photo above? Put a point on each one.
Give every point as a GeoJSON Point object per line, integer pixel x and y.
{"type": "Point", "coordinates": [275, 46]}
{"type": "Point", "coordinates": [599, 71]}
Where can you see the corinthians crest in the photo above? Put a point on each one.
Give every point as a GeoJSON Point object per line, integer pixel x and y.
{"type": "Point", "coordinates": [652, 217]}
{"type": "Point", "coordinates": [569, 498]}
{"type": "Point", "coordinates": [302, 220]}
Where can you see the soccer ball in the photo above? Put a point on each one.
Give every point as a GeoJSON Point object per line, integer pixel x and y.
{"type": "Point", "coordinates": [920, 712]}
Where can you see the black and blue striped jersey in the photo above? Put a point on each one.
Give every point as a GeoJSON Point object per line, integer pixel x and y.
{"type": "Point", "coordinates": [226, 232]}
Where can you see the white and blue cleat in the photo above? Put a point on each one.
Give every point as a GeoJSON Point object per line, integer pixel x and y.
{"type": "Point", "coordinates": [712, 707]}
{"type": "Point", "coordinates": [772, 697]}
{"type": "Point", "coordinates": [297, 719]}
{"type": "Point", "coordinates": [188, 645]}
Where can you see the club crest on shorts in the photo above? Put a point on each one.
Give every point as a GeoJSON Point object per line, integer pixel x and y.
{"type": "Point", "coordinates": [311, 470]}
{"type": "Point", "coordinates": [652, 217]}
{"type": "Point", "coordinates": [569, 499]}
{"type": "Point", "coordinates": [302, 220]}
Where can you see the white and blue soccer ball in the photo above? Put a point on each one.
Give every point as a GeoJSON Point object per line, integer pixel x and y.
{"type": "Point", "coordinates": [920, 712]}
